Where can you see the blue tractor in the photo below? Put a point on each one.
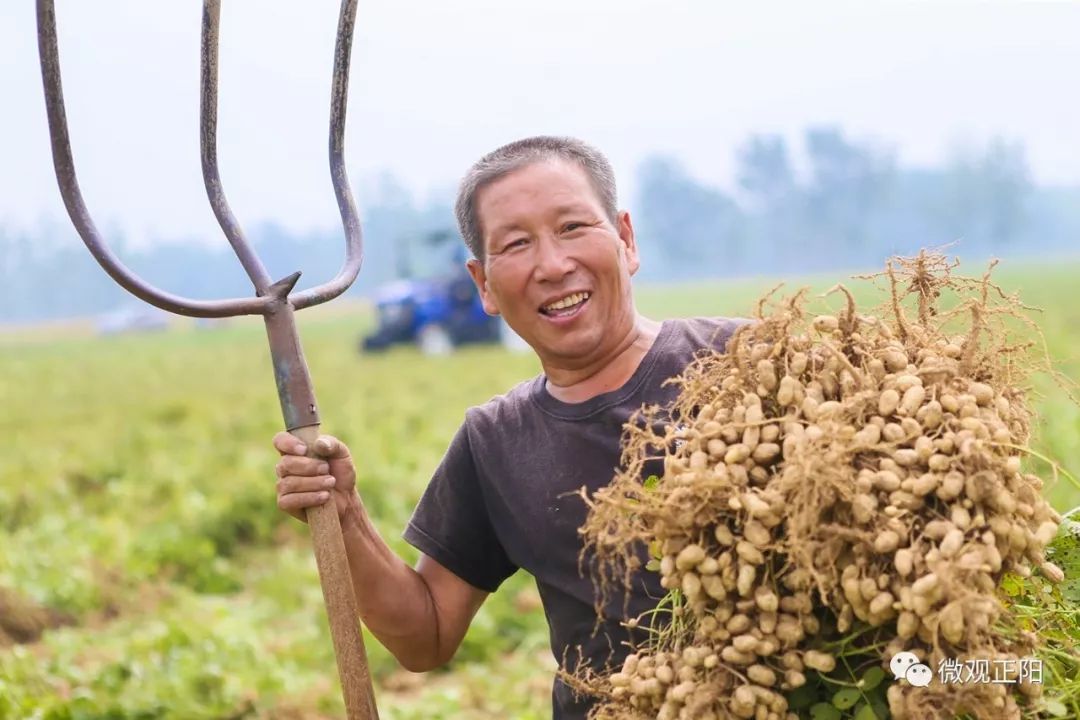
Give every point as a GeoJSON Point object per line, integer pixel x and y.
{"type": "Point", "coordinates": [436, 314]}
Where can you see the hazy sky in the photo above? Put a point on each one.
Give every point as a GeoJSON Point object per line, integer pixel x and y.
{"type": "Point", "coordinates": [436, 84]}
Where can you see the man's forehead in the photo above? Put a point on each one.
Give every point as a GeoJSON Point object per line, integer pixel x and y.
{"type": "Point", "coordinates": [517, 219]}
{"type": "Point", "coordinates": [552, 190]}
{"type": "Point", "coordinates": [551, 175]}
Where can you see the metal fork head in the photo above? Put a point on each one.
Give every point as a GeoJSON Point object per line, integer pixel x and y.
{"type": "Point", "coordinates": [273, 300]}
{"type": "Point", "coordinates": [269, 295]}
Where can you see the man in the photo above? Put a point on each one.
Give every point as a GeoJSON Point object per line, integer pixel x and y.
{"type": "Point", "coordinates": [554, 257]}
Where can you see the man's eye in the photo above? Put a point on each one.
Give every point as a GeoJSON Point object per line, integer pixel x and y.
{"type": "Point", "coordinates": [570, 227]}
{"type": "Point", "coordinates": [515, 243]}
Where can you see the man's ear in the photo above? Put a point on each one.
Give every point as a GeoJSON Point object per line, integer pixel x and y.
{"type": "Point", "coordinates": [626, 235]}
{"type": "Point", "coordinates": [479, 276]}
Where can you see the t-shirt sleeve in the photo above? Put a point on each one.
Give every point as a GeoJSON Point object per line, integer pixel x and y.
{"type": "Point", "coordinates": [451, 523]}
{"type": "Point", "coordinates": [722, 329]}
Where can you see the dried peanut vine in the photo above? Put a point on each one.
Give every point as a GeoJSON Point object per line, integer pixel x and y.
{"type": "Point", "coordinates": [849, 480]}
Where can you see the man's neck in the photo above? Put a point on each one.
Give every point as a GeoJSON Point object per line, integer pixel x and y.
{"type": "Point", "coordinates": [575, 385]}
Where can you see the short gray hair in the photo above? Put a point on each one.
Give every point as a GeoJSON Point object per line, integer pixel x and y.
{"type": "Point", "coordinates": [517, 155]}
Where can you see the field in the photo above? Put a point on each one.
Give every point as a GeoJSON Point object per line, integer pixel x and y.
{"type": "Point", "coordinates": [138, 525]}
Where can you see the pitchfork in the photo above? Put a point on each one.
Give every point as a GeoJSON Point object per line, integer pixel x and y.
{"type": "Point", "coordinates": [272, 300]}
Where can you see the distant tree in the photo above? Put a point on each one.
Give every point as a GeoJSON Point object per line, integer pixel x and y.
{"type": "Point", "coordinates": [987, 194]}
{"type": "Point", "coordinates": [849, 184]}
{"type": "Point", "coordinates": [771, 192]}
{"type": "Point", "coordinates": [1008, 187]}
{"type": "Point", "coordinates": [686, 229]}
{"type": "Point", "coordinates": [764, 171]}
{"type": "Point", "coordinates": [854, 207]}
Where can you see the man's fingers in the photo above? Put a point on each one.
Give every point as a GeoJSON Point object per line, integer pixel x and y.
{"type": "Point", "coordinates": [301, 501]}
{"type": "Point", "coordinates": [297, 465]}
{"type": "Point", "coordinates": [329, 447]}
{"type": "Point", "coordinates": [304, 483]}
{"type": "Point", "coordinates": [288, 444]}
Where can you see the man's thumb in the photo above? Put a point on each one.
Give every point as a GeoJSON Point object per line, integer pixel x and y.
{"type": "Point", "coordinates": [330, 447]}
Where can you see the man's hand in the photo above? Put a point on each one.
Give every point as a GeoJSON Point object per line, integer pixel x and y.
{"type": "Point", "coordinates": [305, 482]}
{"type": "Point", "coordinates": [420, 615]}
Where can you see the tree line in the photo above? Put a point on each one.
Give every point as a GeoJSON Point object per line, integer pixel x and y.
{"type": "Point", "coordinates": [831, 202]}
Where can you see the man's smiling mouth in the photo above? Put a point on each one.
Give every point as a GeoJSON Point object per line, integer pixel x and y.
{"type": "Point", "coordinates": [567, 305]}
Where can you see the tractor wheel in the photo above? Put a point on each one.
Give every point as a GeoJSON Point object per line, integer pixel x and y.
{"type": "Point", "coordinates": [434, 339]}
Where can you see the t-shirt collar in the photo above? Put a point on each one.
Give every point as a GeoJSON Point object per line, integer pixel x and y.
{"type": "Point", "coordinates": [582, 410]}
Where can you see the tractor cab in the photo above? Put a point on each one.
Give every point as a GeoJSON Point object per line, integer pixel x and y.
{"type": "Point", "coordinates": [437, 313]}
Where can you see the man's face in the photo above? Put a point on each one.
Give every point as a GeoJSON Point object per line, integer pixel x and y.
{"type": "Point", "coordinates": [555, 268]}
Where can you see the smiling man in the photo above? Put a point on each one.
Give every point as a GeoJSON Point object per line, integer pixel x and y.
{"type": "Point", "coordinates": [553, 256]}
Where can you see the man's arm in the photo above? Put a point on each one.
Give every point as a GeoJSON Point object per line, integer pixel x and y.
{"type": "Point", "coordinates": [420, 614]}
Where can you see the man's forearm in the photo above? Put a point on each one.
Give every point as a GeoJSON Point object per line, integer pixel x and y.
{"type": "Point", "coordinates": [393, 600]}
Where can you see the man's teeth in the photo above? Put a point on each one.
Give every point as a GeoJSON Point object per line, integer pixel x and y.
{"type": "Point", "coordinates": [568, 301]}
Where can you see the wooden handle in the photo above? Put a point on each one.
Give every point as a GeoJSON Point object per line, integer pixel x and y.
{"type": "Point", "coordinates": [337, 588]}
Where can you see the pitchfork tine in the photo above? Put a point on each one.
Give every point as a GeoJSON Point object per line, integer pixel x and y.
{"type": "Point", "coordinates": [64, 165]}
{"type": "Point", "coordinates": [208, 144]}
{"type": "Point", "coordinates": [214, 191]}
{"type": "Point", "coordinates": [350, 219]}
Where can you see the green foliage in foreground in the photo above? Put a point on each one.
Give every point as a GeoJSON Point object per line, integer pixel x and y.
{"type": "Point", "coordinates": [140, 503]}
{"type": "Point", "coordinates": [136, 500]}
{"type": "Point", "coordinates": [856, 690]}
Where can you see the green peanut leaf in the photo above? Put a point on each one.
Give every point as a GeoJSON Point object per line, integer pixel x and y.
{"type": "Point", "coordinates": [872, 678]}
{"type": "Point", "coordinates": [866, 712]}
{"type": "Point", "coordinates": [1012, 585]}
{"type": "Point", "coordinates": [846, 698]}
{"type": "Point", "coordinates": [824, 711]}
{"type": "Point", "coordinates": [656, 551]}
{"type": "Point", "coordinates": [802, 697]}
{"type": "Point", "coordinates": [1064, 552]}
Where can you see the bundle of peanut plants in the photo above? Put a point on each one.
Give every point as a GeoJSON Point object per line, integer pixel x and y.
{"type": "Point", "coordinates": [838, 489]}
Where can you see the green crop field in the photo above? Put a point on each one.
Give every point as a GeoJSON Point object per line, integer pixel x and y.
{"type": "Point", "coordinates": [138, 527]}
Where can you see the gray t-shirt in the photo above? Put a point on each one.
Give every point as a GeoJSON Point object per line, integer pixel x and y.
{"type": "Point", "coordinates": [505, 496]}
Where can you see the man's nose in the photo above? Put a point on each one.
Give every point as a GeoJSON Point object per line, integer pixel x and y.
{"type": "Point", "coordinates": [553, 262]}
